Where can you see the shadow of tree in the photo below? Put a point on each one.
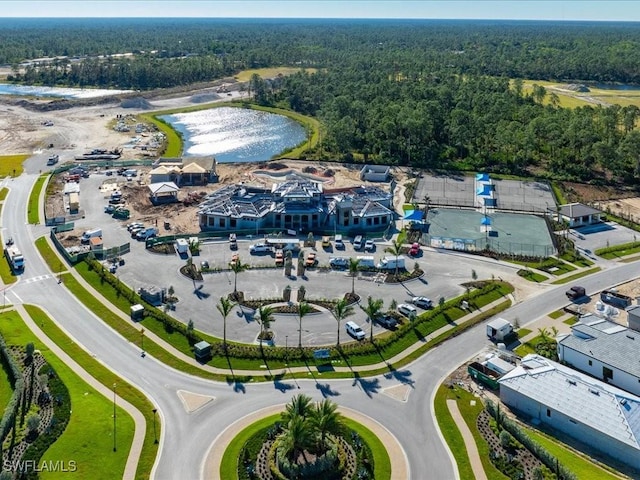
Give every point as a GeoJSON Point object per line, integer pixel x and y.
{"type": "Point", "coordinates": [403, 376]}
{"type": "Point", "coordinates": [326, 391]}
{"type": "Point", "coordinates": [369, 385]}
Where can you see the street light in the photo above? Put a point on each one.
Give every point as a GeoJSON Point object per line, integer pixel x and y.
{"type": "Point", "coordinates": [114, 417]}
{"type": "Point", "coordinates": [142, 339]}
{"type": "Point", "coordinates": [286, 349]}
{"type": "Point", "coordinates": [155, 435]}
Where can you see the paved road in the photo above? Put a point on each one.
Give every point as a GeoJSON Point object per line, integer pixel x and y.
{"type": "Point", "coordinates": [187, 436]}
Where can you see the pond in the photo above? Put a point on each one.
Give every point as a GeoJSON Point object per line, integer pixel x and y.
{"type": "Point", "coordinates": [236, 134]}
{"type": "Point", "coordinates": [58, 92]}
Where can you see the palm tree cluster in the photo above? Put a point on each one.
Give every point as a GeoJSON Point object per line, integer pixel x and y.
{"type": "Point", "coordinates": [307, 428]}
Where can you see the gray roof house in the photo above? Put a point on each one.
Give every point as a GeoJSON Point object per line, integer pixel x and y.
{"type": "Point", "coordinates": [604, 350]}
{"type": "Point", "coordinates": [296, 204]}
{"type": "Point", "coordinates": [592, 412]}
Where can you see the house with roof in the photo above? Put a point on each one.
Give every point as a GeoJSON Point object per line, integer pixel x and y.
{"type": "Point", "coordinates": [590, 411]}
{"type": "Point", "coordinates": [184, 171]}
{"type": "Point", "coordinates": [579, 215]}
{"type": "Point", "coordinates": [605, 350]}
{"type": "Point", "coordinates": [163, 192]}
{"type": "Point", "coordinates": [297, 203]}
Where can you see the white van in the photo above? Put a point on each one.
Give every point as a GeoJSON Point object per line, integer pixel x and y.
{"type": "Point", "coordinates": [357, 242]}
{"type": "Point", "coordinates": [366, 261]}
{"type": "Point", "coordinates": [89, 234]}
{"type": "Point", "coordinates": [408, 311]}
{"type": "Point", "coordinates": [354, 330]}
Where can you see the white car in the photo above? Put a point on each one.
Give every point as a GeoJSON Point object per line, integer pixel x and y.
{"type": "Point", "coordinates": [339, 262]}
{"type": "Point", "coordinates": [259, 248]}
{"type": "Point", "coordinates": [369, 246]}
{"type": "Point", "coordinates": [422, 302]}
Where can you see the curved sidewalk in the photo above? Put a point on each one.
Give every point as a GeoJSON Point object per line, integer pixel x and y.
{"type": "Point", "coordinates": [140, 424]}
{"type": "Point", "coordinates": [469, 441]}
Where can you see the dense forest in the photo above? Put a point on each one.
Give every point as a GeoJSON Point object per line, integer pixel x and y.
{"type": "Point", "coordinates": [438, 94]}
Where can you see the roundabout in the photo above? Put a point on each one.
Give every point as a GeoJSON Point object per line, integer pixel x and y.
{"type": "Point", "coordinates": [213, 463]}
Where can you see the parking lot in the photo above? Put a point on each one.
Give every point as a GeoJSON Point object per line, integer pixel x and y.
{"type": "Point", "coordinates": [445, 272]}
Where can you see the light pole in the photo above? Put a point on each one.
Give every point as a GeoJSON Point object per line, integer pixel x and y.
{"type": "Point", "coordinates": [155, 435]}
{"type": "Point", "coordinates": [114, 417]}
{"type": "Point", "coordinates": [142, 339]}
{"type": "Point", "coordinates": [286, 349]}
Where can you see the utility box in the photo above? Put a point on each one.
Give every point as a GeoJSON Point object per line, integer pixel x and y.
{"type": "Point", "coordinates": [137, 312]}
{"type": "Point", "coordinates": [152, 294]}
{"type": "Point", "coordinates": [202, 351]}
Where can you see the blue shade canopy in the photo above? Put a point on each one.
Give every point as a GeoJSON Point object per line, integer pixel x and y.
{"type": "Point", "coordinates": [413, 215]}
{"type": "Point", "coordinates": [484, 190]}
{"type": "Point", "coordinates": [482, 177]}
{"type": "Point", "coordinates": [485, 221]}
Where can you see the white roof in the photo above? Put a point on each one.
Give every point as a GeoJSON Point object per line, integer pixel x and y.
{"type": "Point", "coordinates": [591, 402]}
{"type": "Point", "coordinates": [163, 187]}
{"type": "Point", "coordinates": [498, 323]}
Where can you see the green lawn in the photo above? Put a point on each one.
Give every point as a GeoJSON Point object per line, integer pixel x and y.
{"type": "Point", "coordinates": [571, 320]}
{"type": "Point", "coordinates": [576, 259]}
{"type": "Point", "coordinates": [557, 314]}
{"type": "Point", "coordinates": [532, 276]}
{"type": "Point", "coordinates": [56, 265]}
{"type": "Point", "coordinates": [88, 438]}
{"type": "Point", "coordinates": [582, 467]}
{"type": "Point", "coordinates": [528, 347]}
{"type": "Point", "coordinates": [618, 251]}
{"type": "Point", "coordinates": [33, 214]}
{"type": "Point", "coordinates": [453, 436]}
{"type": "Point", "coordinates": [523, 332]}
{"type": "Point", "coordinates": [6, 390]}
{"type": "Point", "coordinates": [576, 276]}
{"type": "Point", "coordinates": [6, 274]}
{"type": "Point", "coordinates": [11, 165]}
{"type": "Point", "coordinates": [105, 376]}
{"type": "Point", "coordinates": [3, 193]}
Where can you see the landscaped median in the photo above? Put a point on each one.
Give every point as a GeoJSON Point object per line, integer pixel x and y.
{"type": "Point", "coordinates": [33, 212]}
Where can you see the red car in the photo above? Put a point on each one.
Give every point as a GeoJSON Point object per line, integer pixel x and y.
{"type": "Point", "coordinates": [414, 251]}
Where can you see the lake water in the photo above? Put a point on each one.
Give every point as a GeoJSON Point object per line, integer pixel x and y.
{"type": "Point", "coordinates": [236, 134]}
{"type": "Point", "coordinates": [58, 92]}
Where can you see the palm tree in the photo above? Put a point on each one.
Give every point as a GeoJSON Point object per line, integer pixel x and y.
{"type": "Point", "coordinates": [396, 250]}
{"type": "Point", "coordinates": [224, 307]}
{"type": "Point", "coordinates": [264, 318]}
{"type": "Point", "coordinates": [296, 439]}
{"type": "Point", "coordinates": [236, 268]}
{"type": "Point", "coordinates": [325, 419]}
{"type": "Point", "coordinates": [303, 309]}
{"type": "Point", "coordinates": [300, 406]}
{"type": "Point", "coordinates": [372, 310]}
{"type": "Point", "coordinates": [354, 263]}
{"type": "Point", "coordinates": [340, 311]}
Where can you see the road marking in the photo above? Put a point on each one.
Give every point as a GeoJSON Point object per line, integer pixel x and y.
{"type": "Point", "coordinates": [16, 295]}
{"type": "Point", "coordinates": [38, 278]}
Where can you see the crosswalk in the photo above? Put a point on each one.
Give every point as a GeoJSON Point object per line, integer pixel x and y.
{"type": "Point", "coordinates": [38, 278]}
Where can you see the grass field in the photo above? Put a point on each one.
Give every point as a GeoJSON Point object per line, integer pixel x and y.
{"type": "Point", "coordinates": [11, 165]}
{"type": "Point", "coordinates": [53, 261]}
{"type": "Point", "coordinates": [3, 193]}
{"type": "Point", "coordinates": [570, 99]}
{"type": "Point", "coordinates": [245, 75]}
{"type": "Point", "coordinates": [576, 276]}
{"type": "Point", "coordinates": [33, 214]}
{"type": "Point", "coordinates": [88, 438]}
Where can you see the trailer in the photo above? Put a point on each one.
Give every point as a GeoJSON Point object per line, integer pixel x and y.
{"type": "Point", "coordinates": [15, 258]}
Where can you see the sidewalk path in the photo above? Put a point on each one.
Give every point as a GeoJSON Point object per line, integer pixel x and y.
{"type": "Point", "coordinates": [469, 441]}
{"type": "Point", "coordinates": [138, 418]}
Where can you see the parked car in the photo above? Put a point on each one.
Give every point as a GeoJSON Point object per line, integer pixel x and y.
{"type": "Point", "coordinates": [338, 262]}
{"type": "Point", "coordinates": [354, 330]}
{"type": "Point", "coordinates": [109, 209]}
{"type": "Point", "coordinates": [415, 251]}
{"type": "Point", "coordinates": [326, 242]}
{"type": "Point", "coordinates": [369, 246]}
{"type": "Point", "coordinates": [259, 248]}
{"type": "Point", "coordinates": [407, 310]}
{"type": "Point", "coordinates": [422, 302]}
{"type": "Point", "coordinates": [338, 243]}
{"type": "Point", "coordinates": [134, 231]}
{"type": "Point", "coordinates": [204, 266]}
{"type": "Point", "coordinates": [311, 260]}
{"type": "Point", "coordinates": [357, 242]}
{"type": "Point", "coordinates": [133, 225]}
{"type": "Point", "coordinates": [387, 321]}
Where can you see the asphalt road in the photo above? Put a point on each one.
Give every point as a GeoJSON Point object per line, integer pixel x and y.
{"type": "Point", "coordinates": [187, 437]}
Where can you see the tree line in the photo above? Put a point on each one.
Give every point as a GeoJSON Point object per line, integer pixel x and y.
{"type": "Point", "coordinates": [436, 94]}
